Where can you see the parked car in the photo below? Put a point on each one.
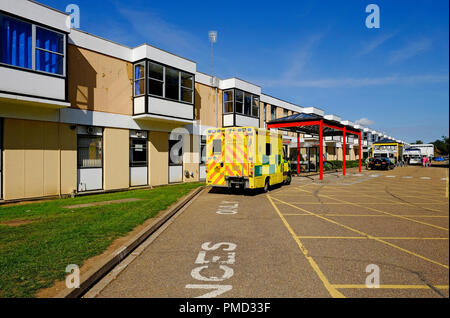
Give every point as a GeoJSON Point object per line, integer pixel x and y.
{"type": "Point", "coordinates": [381, 163]}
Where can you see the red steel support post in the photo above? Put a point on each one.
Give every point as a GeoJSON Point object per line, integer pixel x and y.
{"type": "Point", "coordinates": [298, 153]}
{"type": "Point", "coordinates": [321, 149]}
{"type": "Point", "coordinates": [360, 153]}
{"type": "Point", "coordinates": [344, 149]}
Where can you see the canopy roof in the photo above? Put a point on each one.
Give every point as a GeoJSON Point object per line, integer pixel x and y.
{"type": "Point", "coordinates": [309, 124]}
{"type": "Point", "coordinates": [386, 141]}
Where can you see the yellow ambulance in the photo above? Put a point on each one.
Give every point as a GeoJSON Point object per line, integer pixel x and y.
{"type": "Point", "coordinates": [245, 158]}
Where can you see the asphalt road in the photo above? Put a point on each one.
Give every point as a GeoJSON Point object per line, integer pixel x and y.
{"type": "Point", "coordinates": [330, 238]}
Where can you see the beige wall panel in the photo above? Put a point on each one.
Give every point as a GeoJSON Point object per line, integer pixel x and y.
{"type": "Point", "coordinates": [158, 146]}
{"type": "Point", "coordinates": [51, 159]}
{"type": "Point", "coordinates": [34, 159]}
{"type": "Point", "coordinates": [116, 162]}
{"type": "Point", "coordinates": [68, 143]}
{"type": "Point", "coordinates": [205, 105]}
{"type": "Point", "coordinates": [13, 159]}
{"type": "Point", "coordinates": [99, 82]}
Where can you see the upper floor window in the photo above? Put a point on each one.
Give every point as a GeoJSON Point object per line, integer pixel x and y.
{"type": "Point", "coordinates": [164, 81]}
{"type": "Point", "coordinates": [285, 112]}
{"type": "Point", "coordinates": [273, 112]}
{"type": "Point", "coordinates": [244, 103]}
{"type": "Point", "coordinates": [44, 52]}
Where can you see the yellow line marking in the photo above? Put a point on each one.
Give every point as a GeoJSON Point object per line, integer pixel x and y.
{"type": "Point", "coordinates": [446, 183]}
{"type": "Point", "coordinates": [333, 292]}
{"type": "Point", "coordinates": [376, 210]}
{"type": "Point", "coordinates": [369, 203]}
{"type": "Point", "coordinates": [378, 237]}
{"type": "Point", "coordinates": [343, 286]}
{"type": "Point", "coordinates": [367, 235]}
{"type": "Point", "coordinates": [368, 215]}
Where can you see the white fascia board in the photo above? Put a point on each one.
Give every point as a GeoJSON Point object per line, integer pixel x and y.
{"type": "Point", "coordinates": [333, 117]}
{"type": "Point", "coordinates": [161, 56]}
{"type": "Point", "coordinates": [280, 103]}
{"type": "Point", "coordinates": [347, 123]}
{"type": "Point", "coordinates": [204, 79]}
{"type": "Point", "coordinates": [313, 110]}
{"type": "Point", "coordinates": [38, 13]}
{"type": "Point", "coordinates": [34, 100]}
{"type": "Point", "coordinates": [239, 84]}
{"type": "Point", "coordinates": [97, 44]}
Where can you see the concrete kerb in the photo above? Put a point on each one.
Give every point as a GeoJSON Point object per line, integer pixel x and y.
{"type": "Point", "coordinates": [91, 277]}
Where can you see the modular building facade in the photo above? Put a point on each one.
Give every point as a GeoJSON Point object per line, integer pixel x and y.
{"type": "Point", "coordinates": [79, 113]}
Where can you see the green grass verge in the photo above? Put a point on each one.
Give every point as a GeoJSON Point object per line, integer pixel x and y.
{"type": "Point", "coordinates": [35, 255]}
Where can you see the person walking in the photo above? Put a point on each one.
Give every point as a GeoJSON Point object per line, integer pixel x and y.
{"type": "Point", "coordinates": [424, 161]}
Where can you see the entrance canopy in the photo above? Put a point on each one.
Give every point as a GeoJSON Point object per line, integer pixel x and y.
{"type": "Point", "coordinates": [314, 124]}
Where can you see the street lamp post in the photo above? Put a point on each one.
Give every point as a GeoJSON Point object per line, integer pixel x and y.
{"type": "Point", "coordinates": [213, 39]}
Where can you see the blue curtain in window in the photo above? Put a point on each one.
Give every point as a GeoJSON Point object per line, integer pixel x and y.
{"type": "Point", "coordinates": [137, 74]}
{"type": "Point", "coordinates": [16, 41]}
{"type": "Point", "coordinates": [49, 41]}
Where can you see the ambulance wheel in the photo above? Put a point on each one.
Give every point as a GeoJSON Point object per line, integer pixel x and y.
{"type": "Point", "coordinates": [288, 179]}
{"type": "Point", "coordinates": [267, 185]}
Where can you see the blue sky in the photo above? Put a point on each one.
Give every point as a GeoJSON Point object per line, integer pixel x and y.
{"type": "Point", "coordinates": [312, 53]}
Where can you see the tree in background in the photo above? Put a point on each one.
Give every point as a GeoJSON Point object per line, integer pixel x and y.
{"type": "Point", "coordinates": [419, 142]}
{"type": "Point", "coordinates": [441, 146]}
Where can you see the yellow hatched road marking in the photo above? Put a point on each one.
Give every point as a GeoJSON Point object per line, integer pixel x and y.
{"type": "Point", "coordinates": [333, 292]}
{"type": "Point", "coordinates": [378, 237]}
{"type": "Point", "coordinates": [367, 235]}
{"type": "Point", "coordinates": [358, 286]}
{"type": "Point", "coordinates": [376, 210]}
{"type": "Point", "coordinates": [369, 215]}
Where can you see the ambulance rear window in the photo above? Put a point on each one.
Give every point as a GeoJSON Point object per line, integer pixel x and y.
{"type": "Point", "coordinates": [217, 146]}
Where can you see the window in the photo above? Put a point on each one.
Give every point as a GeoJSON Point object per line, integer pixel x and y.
{"type": "Point", "coordinates": [138, 152]}
{"type": "Point", "coordinates": [203, 150]}
{"type": "Point", "coordinates": [268, 149]}
{"type": "Point", "coordinates": [244, 103]}
{"type": "Point", "coordinates": [217, 146]}
{"type": "Point", "coordinates": [247, 104]}
{"type": "Point", "coordinates": [156, 79]}
{"type": "Point", "coordinates": [49, 51]}
{"type": "Point", "coordinates": [285, 112]}
{"type": "Point", "coordinates": [165, 82]}
{"type": "Point", "coordinates": [89, 151]}
{"type": "Point", "coordinates": [265, 112]}
{"type": "Point", "coordinates": [239, 102]}
{"type": "Point", "coordinates": [172, 84]}
{"type": "Point", "coordinates": [228, 101]}
{"type": "Point", "coordinates": [255, 107]}
{"type": "Point", "coordinates": [17, 45]}
{"type": "Point", "coordinates": [273, 112]}
{"type": "Point", "coordinates": [16, 42]}
{"type": "Point", "coordinates": [139, 79]}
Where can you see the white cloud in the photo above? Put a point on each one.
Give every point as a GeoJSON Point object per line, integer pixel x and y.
{"type": "Point", "coordinates": [301, 56]}
{"type": "Point", "coordinates": [365, 122]}
{"type": "Point", "coordinates": [156, 30]}
{"type": "Point", "coordinates": [369, 47]}
{"type": "Point", "coordinates": [412, 49]}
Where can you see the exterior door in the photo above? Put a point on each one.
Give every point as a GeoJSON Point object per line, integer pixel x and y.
{"type": "Point", "coordinates": [90, 158]}
{"type": "Point", "coordinates": [176, 160]}
{"type": "Point", "coordinates": [203, 158]}
{"type": "Point", "coordinates": [138, 158]}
